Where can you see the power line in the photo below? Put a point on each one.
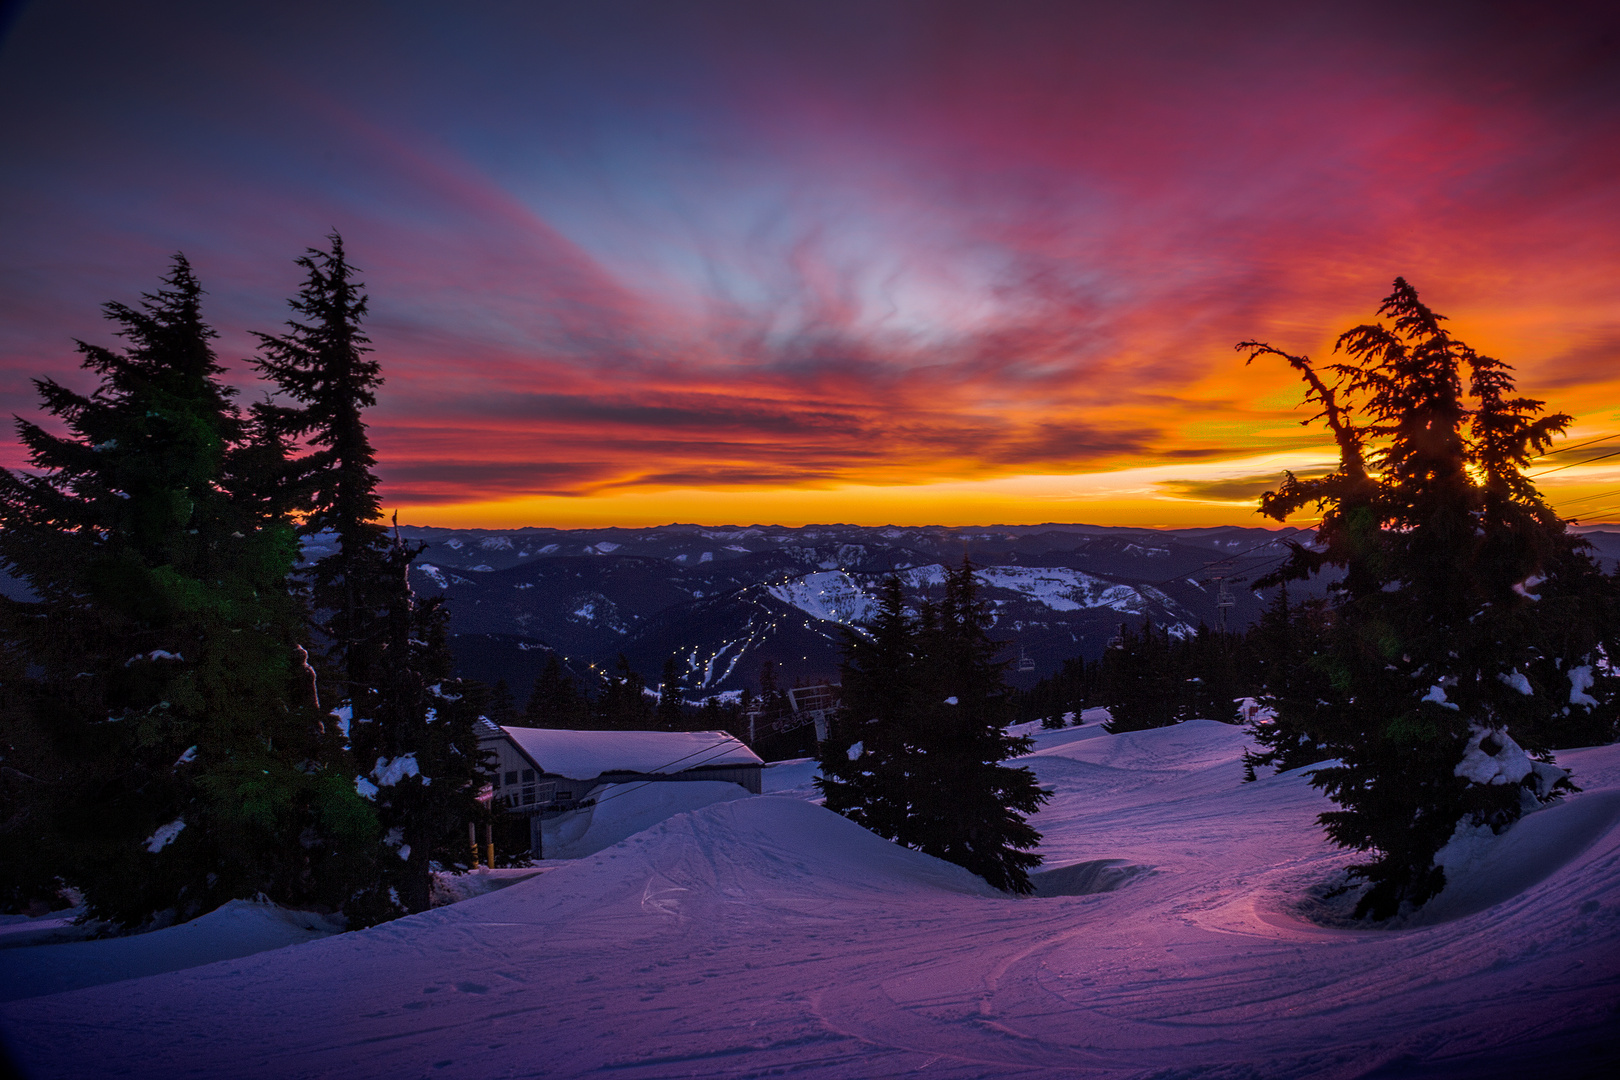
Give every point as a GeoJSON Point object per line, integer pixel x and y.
{"type": "Point", "coordinates": [1577, 446]}
{"type": "Point", "coordinates": [1571, 465]}
{"type": "Point", "coordinates": [1603, 510]}
{"type": "Point", "coordinates": [637, 785]}
{"type": "Point", "coordinates": [1217, 562]}
{"type": "Point", "coordinates": [1590, 498]}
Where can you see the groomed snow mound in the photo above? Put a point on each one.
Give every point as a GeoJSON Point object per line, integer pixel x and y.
{"type": "Point", "coordinates": [1085, 878]}
{"type": "Point", "coordinates": [622, 810]}
{"type": "Point", "coordinates": [238, 928]}
{"type": "Point", "coordinates": [1195, 744]}
{"type": "Point", "coordinates": [1495, 869]}
{"type": "Point", "coordinates": [750, 846]}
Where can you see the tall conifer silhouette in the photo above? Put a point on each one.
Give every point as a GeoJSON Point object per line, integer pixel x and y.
{"type": "Point", "coordinates": [1467, 622]}
{"type": "Point", "coordinates": [168, 649]}
{"type": "Point", "coordinates": [323, 363]}
{"type": "Point", "coordinates": [413, 742]}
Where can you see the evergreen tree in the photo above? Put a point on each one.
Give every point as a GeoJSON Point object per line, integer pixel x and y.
{"type": "Point", "coordinates": [621, 704]}
{"type": "Point", "coordinates": [1468, 622]}
{"type": "Point", "coordinates": [1269, 644]}
{"type": "Point", "coordinates": [916, 753]}
{"type": "Point", "coordinates": [773, 700]}
{"type": "Point", "coordinates": [423, 743]}
{"type": "Point", "coordinates": [1285, 650]}
{"type": "Point", "coordinates": [499, 707]}
{"type": "Point", "coordinates": [1211, 673]}
{"type": "Point", "coordinates": [717, 715]}
{"type": "Point", "coordinates": [1069, 690]}
{"type": "Point", "coordinates": [322, 363]}
{"type": "Point", "coordinates": [870, 751]}
{"type": "Point", "coordinates": [555, 701]}
{"type": "Point", "coordinates": [670, 714]}
{"type": "Point", "coordinates": [415, 758]}
{"type": "Point", "coordinates": [168, 648]}
{"type": "Point", "coordinates": [777, 734]}
{"type": "Point", "coordinates": [1141, 685]}
{"type": "Point", "coordinates": [973, 812]}
{"type": "Point", "coordinates": [33, 771]}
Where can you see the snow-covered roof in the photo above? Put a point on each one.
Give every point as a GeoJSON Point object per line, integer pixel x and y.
{"type": "Point", "coordinates": [585, 755]}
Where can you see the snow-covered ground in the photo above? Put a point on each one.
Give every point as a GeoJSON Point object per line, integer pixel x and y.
{"type": "Point", "coordinates": [622, 810]}
{"type": "Point", "coordinates": [240, 928]}
{"type": "Point", "coordinates": [764, 935]}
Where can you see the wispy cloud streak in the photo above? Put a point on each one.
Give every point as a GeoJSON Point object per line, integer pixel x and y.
{"type": "Point", "coordinates": [632, 247]}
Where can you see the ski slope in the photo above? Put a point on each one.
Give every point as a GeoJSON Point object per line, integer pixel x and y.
{"type": "Point", "coordinates": [765, 936]}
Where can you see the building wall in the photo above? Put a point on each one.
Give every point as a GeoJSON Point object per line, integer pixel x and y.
{"type": "Point", "coordinates": [520, 786]}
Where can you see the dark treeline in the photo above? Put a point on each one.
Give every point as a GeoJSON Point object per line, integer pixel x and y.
{"type": "Point", "coordinates": [1150, 676]}
{"type": "Point", "coordinates": [188, 716]}
{"type": "Point", "coordinates": [618, 700]}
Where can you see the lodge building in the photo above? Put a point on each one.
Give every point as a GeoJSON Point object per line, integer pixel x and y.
{"type": "Point", "coordinates": [545, 772]}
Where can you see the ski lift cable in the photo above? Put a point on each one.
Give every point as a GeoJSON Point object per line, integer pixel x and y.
{"type": "Point", "coordinates": [628, 788]}
{"type": "Point", "coordinates": [1600, 510]}
{"type": "Point", "coordinates": [702, 750]}
{"type": "Point", "coordinates": [1571, 465]}
{"type": "Point", "coordinates": [1578, 446]}
{"type": "Point", "coordinates": [643, 783]}
{"type": "Point", "coordinates": [1214, 562]}
{"type": "Point", "coordinates": [1590, 498]}
{"type": "Point", "coordinates": [1260, 570]}
{"type": "Point", "coordinates": [695, 753]}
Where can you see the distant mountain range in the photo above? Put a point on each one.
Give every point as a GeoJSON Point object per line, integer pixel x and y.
{"type": "Point", "coordinates": [724, 600]}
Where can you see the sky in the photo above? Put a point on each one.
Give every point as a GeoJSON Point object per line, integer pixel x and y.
{"type": "Point", "coordinates": [909, 263]}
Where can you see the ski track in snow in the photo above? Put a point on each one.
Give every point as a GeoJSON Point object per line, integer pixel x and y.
{"type": "Point", "coordinates": [765, 935]}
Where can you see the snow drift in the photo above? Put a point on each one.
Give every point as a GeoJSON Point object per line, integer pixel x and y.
{"type": "Point", "coordinates": [239, 928]}
{"type": "Point", "coordinates": [622, 810]}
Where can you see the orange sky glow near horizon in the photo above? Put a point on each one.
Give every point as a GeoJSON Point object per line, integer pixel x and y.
{"type": "Point", "coordinates": [921, 263]}
{"type": "Point", "coordinates": [1230, 436]}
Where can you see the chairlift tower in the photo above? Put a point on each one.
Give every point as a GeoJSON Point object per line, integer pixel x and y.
{"type": "Point", "coordinates": [1224, 602]}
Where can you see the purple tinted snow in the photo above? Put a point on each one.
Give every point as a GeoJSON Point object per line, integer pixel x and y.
{"type": "Point", "coordinates": [765, 935]}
